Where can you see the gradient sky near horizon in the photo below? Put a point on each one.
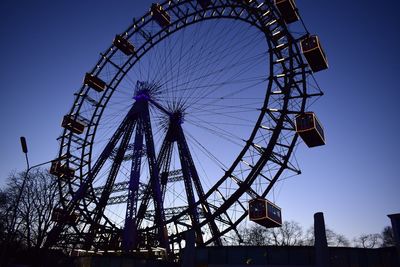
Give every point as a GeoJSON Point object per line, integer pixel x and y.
{"type": "Point", "coordinates": [47, 46]}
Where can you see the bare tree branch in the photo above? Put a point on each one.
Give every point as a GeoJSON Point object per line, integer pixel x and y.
{"type": "Point", "coordinates": [33, 216]}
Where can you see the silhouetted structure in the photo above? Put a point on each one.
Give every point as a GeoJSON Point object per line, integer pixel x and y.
{"type": "Point", "coordinates": [321, 244]}
{"type": "Point", "coordinates": [395, 220]}
{"type": "Point", "coordinates": [126, 147]}
{"type": "Point", "coordinates": [275, 256]}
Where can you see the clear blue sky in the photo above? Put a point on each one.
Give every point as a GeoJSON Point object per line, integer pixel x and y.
{"type": "Point", "coordinates": [47, 46]}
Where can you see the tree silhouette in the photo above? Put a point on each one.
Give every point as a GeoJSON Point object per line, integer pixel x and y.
{"type": "Point", "coordinates": [3, 215]}
{"type": "Point", "coordinates": [368, 241]}
{"type": "Point", "coordinates": [290, 234]}
{"type": "Point", "coordinates": [388, 237]}
{"type": "Point", "coordinates": [334, 239]}
{"type": "Point", "coordinates": [33, 214]}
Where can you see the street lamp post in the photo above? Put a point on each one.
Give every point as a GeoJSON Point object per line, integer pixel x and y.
{"type": "Point", "coordinates": [21, 190]}
{"type": "Point", "coordinates": [14, 217]}
{"type": "Point", "coordinates": [11, 235]}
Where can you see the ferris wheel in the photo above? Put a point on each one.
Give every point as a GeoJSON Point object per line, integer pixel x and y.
{"type": "Point", "coordinates": [192, 113]}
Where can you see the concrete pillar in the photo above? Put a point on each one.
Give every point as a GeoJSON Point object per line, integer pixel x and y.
{"type": "Point", "coordinates": [320, 243]}
{"type": "Point", "coordinates": [395, 219]}
{"type": "Point", "coordinates": [188, 257]}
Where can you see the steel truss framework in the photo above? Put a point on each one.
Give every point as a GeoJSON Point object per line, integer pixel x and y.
{"type": "Point", "coordinates": [215, 213]}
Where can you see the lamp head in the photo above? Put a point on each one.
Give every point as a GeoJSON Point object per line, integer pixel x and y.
{"type": "Point", "coordinates": [23, 145]}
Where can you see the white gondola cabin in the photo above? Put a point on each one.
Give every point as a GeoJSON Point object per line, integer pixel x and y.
{"type": "Point", "coordinates": [288, 10]}
{"type": "Point", "coordinates": [265, 213]}
{"type": "Point", "coordinates": [61, 170]}
{"type": "Point", "coordinates": [94, 82]}
{"type": "Point", "coordinates": [74, 125]}
{"type": "Point", "coordinates": [313, 52]}
{"type": "Point", "coordinates": [124, 45]}
{"type": "Point", "coordinates": [310, 129]}
{"type": "Point", "coordinates": [160, 15]}
{"type": "Point", "coordinates": [59, 215]}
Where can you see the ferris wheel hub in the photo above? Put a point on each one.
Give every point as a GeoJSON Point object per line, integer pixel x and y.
{"type": "Point", "coordinates": [145, 91]}
{"type": "Point", "coordinates": [177, 117]}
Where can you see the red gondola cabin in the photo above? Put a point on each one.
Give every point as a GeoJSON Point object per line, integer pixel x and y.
{"type": "Point", "coordinates": [59, 215]}
{"type": "Point", "coordinates": [124, 45]}
{"type": "Point", "coordinates": [288, 10]}
{"type": "Point", "coordinates": [61, 170]}
{"type": "Point", "coordinates": [73, 125]}
{"type": "Point", "coordinates": [94, 82]}
{"type": "Point", "coordinates": [310, 129]}
{"type": "Point", "coordinates": [314, 53]}
{"type": "Point", "coordinates": [160, 15]}
{"type": "Point", "coordinates": [265, 213]}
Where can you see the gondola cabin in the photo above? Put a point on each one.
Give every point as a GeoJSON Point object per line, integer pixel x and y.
{"type": "Point", "coordinates": [310, 129]}
{"type": "Point", "coordinates": [204, 3]}
{"type": "Point", "coordinates": [74, 125]}
{"type": "Point", "coordinates": [313, 52]}
{"type": "Point", "coordinates": [94, 82]}
{"type": "Point", "coordinates": [124, 45]}
{"type": "Point", "coordinates": [265, 213]}
{"type": "Point", "coordinates": [288, 10]}
{"type": "Point", "coordinates": [59, 215]}
{"type": "Point", "coordinates": [160, 15]}
{"type": "Point", "coordinates": [61, 170]}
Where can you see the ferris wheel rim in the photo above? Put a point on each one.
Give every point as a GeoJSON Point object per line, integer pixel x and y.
{"type": "Point", "coordinates": [112, 50]}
